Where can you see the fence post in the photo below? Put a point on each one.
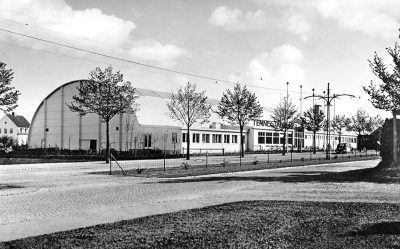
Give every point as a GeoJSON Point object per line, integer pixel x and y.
{"type": "Point", "coordinates": [366, 152]}
{"type": "Point", "coordinates": [310, 154]}
{"type": "Point", "coordinates": [291, 155]}
{"type": "Point", "coordinates": [223, 151]}
{"type": "Point", "coordinates": [109, 159]}
{"type": "Point", "coordinates": [164, 160]}
{"type": "Point", "coordinates": [268, 156]}
{"type": "Point", "coordinates": [206, 158]}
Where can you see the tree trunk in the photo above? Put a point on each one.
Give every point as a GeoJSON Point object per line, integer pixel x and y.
{"type": "Point", "coordinates": [188, 144]}
{"type": "Point", "coordinates": [241, 142]}
{"type": "Point", "coordinates": [107, 141]}
{"type": "Point", "coordinates": [284, 143]}
{"type": "Point", "coordinates": [313, 142]}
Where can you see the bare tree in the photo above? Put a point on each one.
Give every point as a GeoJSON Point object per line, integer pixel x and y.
{"type": "Point", "coordinates": [106, 95]}
{"type": "Point", "coordinates": [8, 95]}
{"type": "Point", "coordinates": [239, 107]}
{"type": "Point", "coordinates": [189, 107]}
{"type": "Point", "coordinates": [284, 117]}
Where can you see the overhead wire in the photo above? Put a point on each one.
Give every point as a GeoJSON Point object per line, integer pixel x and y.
{"type": "Point", "coordinates": [140, 63]}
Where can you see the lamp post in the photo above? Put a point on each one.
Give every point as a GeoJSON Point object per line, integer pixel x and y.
{"type": "Point", "coordinates": [328, 100]}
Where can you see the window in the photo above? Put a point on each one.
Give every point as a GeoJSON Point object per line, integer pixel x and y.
{"type": "Point", "coordinates": [281, 138]}
{"type": "Point", "coordinates": [290, 138]}
{"type": "Point", "coordinates": [234, 139]}
{"type": "Point", "coordinates": [261, 137]}
{"type": "Point", "coordinates": [174, 137]}
{"type": "Point", "coordinates": [268, 139]}
{"type": "Point", "coordinates": [11, 130]}
{"type": "Point", "coordinates": [5, 130]}
{"type": "Point", "coordinates": [275, 138]}
{"type": "Point", "coordinates": [205, 138]}
{"type": "Point", "coordinates": [227, 139]}
{"type": "Point", "coordinates": [117, 128]}
{"type": "Point", "coordinates": [147, 140]}
{"type": "Point", "coordinates": [196, 138]}
{"type": "Point", "coordinates": [216, 138]}
{"type": "Point", "coordinates": [184, 138]}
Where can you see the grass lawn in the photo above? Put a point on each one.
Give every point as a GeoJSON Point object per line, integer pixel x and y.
{"type": "Point", "coordinates": [252, 224]}
{"type": "Point", "coordinates": [196, 170]}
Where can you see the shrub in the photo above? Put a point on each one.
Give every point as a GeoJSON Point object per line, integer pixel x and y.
{"type": "Point", "coordinates": [185, 165]}
{"type": "Point", "coordinates": [255, 162]}
{"type": "Point", "coordinates": [140, 170]}
{"type": "Point", "coordinates": [225, 163]}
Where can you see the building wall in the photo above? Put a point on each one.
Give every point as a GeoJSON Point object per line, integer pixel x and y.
{"type": "Point", "coordinates": [213, 140]}
{"type": "Point", "coordinates": [54, 125]}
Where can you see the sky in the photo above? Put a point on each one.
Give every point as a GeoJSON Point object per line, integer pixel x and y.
{"type": "Point", "coordinates": [259, 43]}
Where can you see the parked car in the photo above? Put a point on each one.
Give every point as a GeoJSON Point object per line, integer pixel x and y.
{"type": "Point", "coordinates": [343, 148]}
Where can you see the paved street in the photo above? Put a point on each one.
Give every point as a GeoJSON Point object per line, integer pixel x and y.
{"type": "Point", "coordinates": [63, 196]}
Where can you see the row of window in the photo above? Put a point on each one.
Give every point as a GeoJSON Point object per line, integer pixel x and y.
{"type": "Point", "coordinates": [343, 139]}
{"type": "Point", "coordinates": [147, 139]}
{"type": "Point", "coordinates": [5, 130]}
{"type": "Point", "coordinates": [215, 138]}
{"type": "Point", "coordinates": [273, 138]}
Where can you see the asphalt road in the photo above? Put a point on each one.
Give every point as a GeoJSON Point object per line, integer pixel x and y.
{"type": "Point", "coordinates": [56, 197]}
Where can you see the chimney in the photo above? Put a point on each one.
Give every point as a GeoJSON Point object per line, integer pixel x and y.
{"type": "Point", "coordinates": [13, 113]}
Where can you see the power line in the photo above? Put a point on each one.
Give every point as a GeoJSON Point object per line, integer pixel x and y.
{"type": "Point", "coordinates": [137, 63]}
{"type": "Point", "coordinates": [101, 43]}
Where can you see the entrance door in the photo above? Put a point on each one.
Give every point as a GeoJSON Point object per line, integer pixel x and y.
{"type": "Point", "coordinates": [93, 145]}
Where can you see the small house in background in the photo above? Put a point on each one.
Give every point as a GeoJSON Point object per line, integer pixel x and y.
{"type": "Point", "coordinates": [15, 126]}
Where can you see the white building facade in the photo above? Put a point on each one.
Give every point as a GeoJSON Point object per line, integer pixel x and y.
{"type": "Point", "coordinates": [54, 125]}
{"type": "Point", "coordinates": [15, 126]}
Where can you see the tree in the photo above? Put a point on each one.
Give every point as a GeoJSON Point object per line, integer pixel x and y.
{"type": "Point", "coordinates": [106, 95]}
{"type": "Point", "coordinates": [8, 95]}
{"type": "Point", "coordinates": [7, 141]}
{"type": "Point", "coordinates": [339, 124]}
{"type": "Point", "coordinates": [284, 117]}
{"type": "Point", "coordinates": [313, 120]}
{"type": "Point", "coordinates": [239, 107]}
{"type": "Point", "coordinates": [385, 96]}
{"type": "Point", "coordinates": [189, 107]}
{"type": "Point", "coordinates": [362, 124]}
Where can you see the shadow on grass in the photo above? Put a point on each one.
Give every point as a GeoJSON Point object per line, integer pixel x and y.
{"type": "Point", "coordinates": [361, 175]}
{"type": "Point", "coordinates": [388, 228]}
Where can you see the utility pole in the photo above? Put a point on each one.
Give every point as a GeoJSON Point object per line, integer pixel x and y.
{"type": "Point", "coordinates": [328, 101]}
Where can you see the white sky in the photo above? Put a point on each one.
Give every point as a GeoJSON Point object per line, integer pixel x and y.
{"type": "Point", "coordinates": [308, 43]}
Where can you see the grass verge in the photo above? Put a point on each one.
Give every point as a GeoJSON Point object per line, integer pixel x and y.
{"type": "Point", "coordinates": [251, 224]}
{"type": "Point", "coordinates": [197, 170]}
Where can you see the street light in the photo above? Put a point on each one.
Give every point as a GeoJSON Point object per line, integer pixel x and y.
{"type": "Point", "coordinates": [328, 100]}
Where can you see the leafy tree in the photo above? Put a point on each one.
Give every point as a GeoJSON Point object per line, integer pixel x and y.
{"type": "Point", "coordinates": [239, 107]}
{"type": "Point", "coordinates": [189, 107]}
{"type": "Point", "coordinates": [8, 95]}
{"type": "Point", "coordinates": [284, 117]}
{"type": "Point", "coordinates": [362, 124]}
{"type": "Point", "coordinates": [339, 124]}
{"type": "Point", "coordinates": [385, 96]}
{"type": "Point", "coordinates": [106, 95]}
{"type": "Point", "coordinates": [7, 141]}
{"type": "Point", "coordinates": [313, 120]}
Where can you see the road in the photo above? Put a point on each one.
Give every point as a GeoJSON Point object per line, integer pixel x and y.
{"type": "Point", "coordinates": [56, 197]}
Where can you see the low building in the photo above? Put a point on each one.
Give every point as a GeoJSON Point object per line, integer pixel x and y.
{"type": "Point", "coordinates": [15, 126]}
{"type": "Point", "coordinates": [54, 125]}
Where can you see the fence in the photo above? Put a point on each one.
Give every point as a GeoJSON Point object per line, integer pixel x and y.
{"type": "Point", "coordinates": [267, 159]}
